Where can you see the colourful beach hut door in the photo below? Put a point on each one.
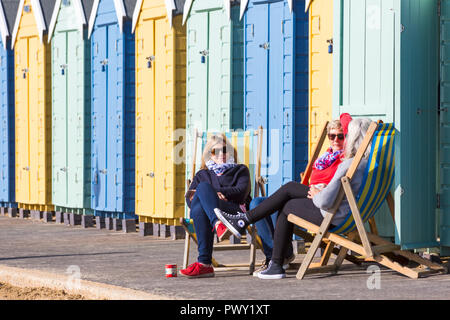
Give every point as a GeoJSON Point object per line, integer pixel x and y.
{"type": "Point", "coordinates": [7, 163]}
{"type": "Point", "coordinates": [214, 100]}
{"type": "Point", "coordinates": [112, 110]}
{"type": "Point", "coordinates": [444, 129]}
{"type": "Point", "coordinates": [68, 119]}
{"type": "Point", "coordinates": [371, 38]}
{"type": "Point", "coordinates": [107, 123]}
{"type": "Point", "coordinates": [27, 120]}
{"type": "Point", "coordinates": [276, 86]}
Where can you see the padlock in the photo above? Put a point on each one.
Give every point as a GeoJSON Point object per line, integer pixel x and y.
{"type": "Point", "coordinates": [330, 46]}
{"type": "Point", "coordinates": [103, 68]}
{"type": "Point", "coordinates": [149, 64]}
{"type": "Point", "coordinates": [24, 75]}
{"type": "Point", "coordinates": [203, 59]}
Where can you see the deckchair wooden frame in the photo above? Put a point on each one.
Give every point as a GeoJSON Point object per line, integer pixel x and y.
{"type": "Point", "coordinates": [327, 246]}
{"type": "Point", "coordinates": [255, 241]}
{"type": "Point", "coordinates": [371, 247]}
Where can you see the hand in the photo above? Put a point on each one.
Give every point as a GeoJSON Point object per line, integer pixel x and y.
{"type": "Point", "coordinates": [190, 194]}
{"type": "Point", "coordinates": [221, 196]}
{"type": "Point", "coordinates": [312, 192]}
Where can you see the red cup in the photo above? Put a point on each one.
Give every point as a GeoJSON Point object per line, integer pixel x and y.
{"type": "Point", "coordinates": [171, 270]}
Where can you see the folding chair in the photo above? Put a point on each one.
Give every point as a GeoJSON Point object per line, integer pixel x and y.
{"type": "Point", "coordinates": [245, 143]}
{"type": "Point", "coordinates": [304, 177]}
{"type": "Point", "coordinates": [351, 234]}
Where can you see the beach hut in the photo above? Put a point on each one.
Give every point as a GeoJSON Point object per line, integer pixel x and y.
{"type": "Point", "coordinates": [8, 12]}
{"type": "Point", "coordinates": [214, 83]}
{"type": "Point", "coordinates": [160, 114]}
{"type": "Point", "coordinates": [320, 14]}
{"type": "Point", "coordinates": [276, 85]}
{"type": "Point", "coordinates": [113, 113]}
{"type": "Point", "coordinates": [386, 66]}
{"type": "Point", "coordinates": [71, 110]}
{"type": "Point", "coordinates": [33, 108]}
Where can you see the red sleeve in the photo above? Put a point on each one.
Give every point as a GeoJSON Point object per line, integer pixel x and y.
{"type": "Point", "coordinates": [324, 176]}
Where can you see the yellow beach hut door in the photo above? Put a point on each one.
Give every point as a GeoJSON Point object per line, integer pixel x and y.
{"type": "Point", "coordinates": [29, 120]}
{"type": "Point", "coordinates": [153, 115]}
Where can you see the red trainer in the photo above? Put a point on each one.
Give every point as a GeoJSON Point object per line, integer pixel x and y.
{"type": "Point", "coordinates": [197, 270]}
{"type": "Point", "coordinates": [222, 231]}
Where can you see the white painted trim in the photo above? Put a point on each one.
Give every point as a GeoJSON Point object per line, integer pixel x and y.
{"type": "Point", "coordinates": [120, 12]}
{"type": "Point", "coordinates": [244, 4]}
{"type": "Point", "coordinates": [53, 20]}
{"type": "Point", "coordinates": [307, 4]}
{"type": "Point", "coordinates": [92, 17]}
{"type": "Point", "coordinates": [81, 18]}
{"type": "Point", "coordinates": [186, 10]}
{"type": "Point", "coordinates": [17, 23]}
{"type": "Point", "coordinates": [170, 6]}
{"type": "Point", "coordinates": [39, 17]}
{"type": "Point", "coordinates": [3, 26]}
{"type": "Point", "coordinates": [227, 6]}
{"type": "Point", "coordinates": [136, 13]}
{"type": "Point", "coordinates": [290, 5]}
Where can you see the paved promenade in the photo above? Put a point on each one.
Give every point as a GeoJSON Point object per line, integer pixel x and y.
{"type": "Point", "coordinates": [134, 262]}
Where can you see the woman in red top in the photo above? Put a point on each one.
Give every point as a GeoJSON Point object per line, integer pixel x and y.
{"type": "Point", "coordinates": [323, 171]}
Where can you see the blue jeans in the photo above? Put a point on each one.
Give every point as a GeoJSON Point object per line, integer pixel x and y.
{"type": "Point", "coordinates": [265, 228]}
{"type": "Point", "coordinates": [202, 212]}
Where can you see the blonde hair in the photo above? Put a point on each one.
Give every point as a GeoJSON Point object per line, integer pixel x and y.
{"type": "Point", "coordinates": [357, 129]}
{"type": "Point", "coordinates": [214, 140]}
{"type": "Point", "coordinates": [334, 124]}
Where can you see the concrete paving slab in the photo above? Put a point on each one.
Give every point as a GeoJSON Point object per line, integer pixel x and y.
{"type": "Point", "coordinates": [135, 262]}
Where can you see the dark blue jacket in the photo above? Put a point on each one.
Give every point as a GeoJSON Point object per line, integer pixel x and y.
{"type": "Point", "coordinates": [234, 184]}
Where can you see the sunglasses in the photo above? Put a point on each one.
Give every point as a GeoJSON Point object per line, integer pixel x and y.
{"type": "Point", "coordinates": [333, 136]}
{"type": "Point", "coordinates": [216, 151]}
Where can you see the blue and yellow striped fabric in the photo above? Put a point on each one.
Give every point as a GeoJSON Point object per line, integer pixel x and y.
{"type": "Point", "coordinates": [378, 177]}
{"type": "Point", "coordinates": [246, 144]}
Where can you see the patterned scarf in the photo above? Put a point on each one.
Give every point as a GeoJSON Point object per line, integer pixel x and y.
{"type": "Point", "coordinates": [327, 159]}
{"type": "Point", "coordinates": [219, 169]}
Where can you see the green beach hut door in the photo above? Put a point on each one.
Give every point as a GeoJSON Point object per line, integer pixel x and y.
{"type": "Point", "coordinates": [364, 58]}
{"type": "Point", "coordinates": [59, 120]}
{"type": "Point", "coordinates": [386, 55]}
{"type": "Point", "coordinates": [444, 128]}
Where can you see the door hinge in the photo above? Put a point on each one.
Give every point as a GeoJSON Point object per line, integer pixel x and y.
{"type": "Point", "coordinates": [402, 28]}
{"type": "Point", "coordinates": [438, 201]}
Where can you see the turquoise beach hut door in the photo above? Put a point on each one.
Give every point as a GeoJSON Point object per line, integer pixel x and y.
{"type": "Point", "coordinates": [276, 86]}
{"type": "Point", "coordinates": [444, 129]}
{"type": "Point", "coordinates": [386, 67]}
{"type": "Point", "coordinates": [214, 99]}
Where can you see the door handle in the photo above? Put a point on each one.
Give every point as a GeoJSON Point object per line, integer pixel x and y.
{"type": "Point", "coordinates": [63, 169]}
{"type": "Point", "coordinates": [265, 46]}
{"type": "Point", "coordinates": [150, 59]}
{"type": "Point", "coordinates": [27, 168]}
{"type": "Point", "coordinates": [151, 174]}
{"type": "Point", "coordinates": [103, 171]}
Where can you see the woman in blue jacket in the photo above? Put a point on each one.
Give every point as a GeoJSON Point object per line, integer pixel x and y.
{"type": "Point", "coordinates": [220, 183]}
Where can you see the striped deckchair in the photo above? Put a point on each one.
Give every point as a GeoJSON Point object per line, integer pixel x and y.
{"type": "Point", "coordinates": [351, 234]}
{"type": "Point", "coordinates": [248, 145]}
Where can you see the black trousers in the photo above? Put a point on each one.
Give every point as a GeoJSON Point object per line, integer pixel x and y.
{"type": "Point", "coordinates": [290, 198]}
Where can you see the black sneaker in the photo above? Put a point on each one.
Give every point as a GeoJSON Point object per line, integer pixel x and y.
{"type": "Point", "coordinates": [264, 266]}
{"type": "Point", "coordinates": [273, 271]}
{"type": "Point", "coordinates": [236, 223]}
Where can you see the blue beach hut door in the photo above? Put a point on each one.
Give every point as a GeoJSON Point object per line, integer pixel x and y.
{"type": "Point", "coordinates": [274, 65]}
{"type": "Point", "coordinates": [106, 119]}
